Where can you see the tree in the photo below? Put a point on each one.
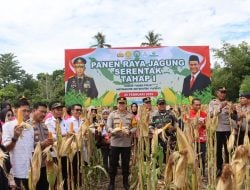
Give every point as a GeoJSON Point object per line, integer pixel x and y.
{"type": "Point", "coordinates": [101, 42]}
{"type": "Point", "coordinates": [233, 65]}
{"type": "Point", "coordinates": [245, 85]}
{"type": "Point", "coordinates": [10, 72]}
{"type": "Point", "coordinates": [152, 39]}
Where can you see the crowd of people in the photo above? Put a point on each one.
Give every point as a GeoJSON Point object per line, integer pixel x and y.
{"type": "Point", "coordinates": [114, 129]}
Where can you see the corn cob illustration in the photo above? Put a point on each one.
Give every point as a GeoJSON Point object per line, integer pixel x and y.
{"type": "Point", "coordinates": [169, 95]}
{"type": "Point", "coordinates": [109, 98]}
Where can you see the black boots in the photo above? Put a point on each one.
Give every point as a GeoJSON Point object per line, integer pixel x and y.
{"type": "Point", "coordinates": [125, 183]}
{"type": "Point", "coordinates": [112, 184]}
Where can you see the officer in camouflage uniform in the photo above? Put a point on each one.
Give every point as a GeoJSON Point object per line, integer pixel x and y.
{"type": "Point", "coordinates": [162, 117]}
{"type": "Point", "coordinates": [119, 125]}
{"type": "Point", "coordinates": [82, 83]}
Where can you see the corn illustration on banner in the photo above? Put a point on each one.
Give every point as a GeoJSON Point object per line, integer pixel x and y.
{"type": "Point", "coordinates": [133, 72]}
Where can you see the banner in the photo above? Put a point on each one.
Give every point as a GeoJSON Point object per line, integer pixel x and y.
{"type": "Point", "coordinates": [98, 76]}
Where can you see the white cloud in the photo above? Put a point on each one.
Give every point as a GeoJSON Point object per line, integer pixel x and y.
{"type": "Point", "coordinates": [37, 32]}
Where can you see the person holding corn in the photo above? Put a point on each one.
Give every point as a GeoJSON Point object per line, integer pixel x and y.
{"type": "Point", "coordinates": [41, 134]}
{"type": "Point", "coordinates": [18, 138]}
{"type": "Point", "coordinates": [120, 126]}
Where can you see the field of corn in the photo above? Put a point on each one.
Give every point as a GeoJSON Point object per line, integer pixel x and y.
{"type": "Point", "coordinates": [147, 169]}
{"type": "Point", "coordinates": [181, 170]}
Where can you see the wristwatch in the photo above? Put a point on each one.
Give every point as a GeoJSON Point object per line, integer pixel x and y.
{"type": "Point", "coordinates": [13, 139]}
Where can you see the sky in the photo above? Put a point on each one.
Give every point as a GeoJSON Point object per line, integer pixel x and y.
{"type": "Point", "coordinates": [38, 31]}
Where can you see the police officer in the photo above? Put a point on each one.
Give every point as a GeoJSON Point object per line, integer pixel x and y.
{"type": "Point", "coordinates": [221, 108]}
{"type": "Point", "coordinates": [242, 111]}
{"type": "Point", "coordinates": [82, 83]}
{"type": "Point", "coordinates": [162, 117]}
{"type": "Point", "coordinates": [119, 125]}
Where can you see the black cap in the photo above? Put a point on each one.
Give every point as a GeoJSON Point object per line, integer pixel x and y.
{"type": "Point", "coordinates": [56, 105]}
{"type": "Point", "coordinates": [221, 89]}
{"type": "Point", "coordinates": [121, 99]}
{"type": "Point", "coordinates": [245, 94]}
{"type": "Point", "coordinates": [194, 58]}
{"type": "Point", "coordinates": [79, 60]}
{"type": "Point", "coordinates": [147, 99]}
{"type": "Point", "coordinates": [161, 100]}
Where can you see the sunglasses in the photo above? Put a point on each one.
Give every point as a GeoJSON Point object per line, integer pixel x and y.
{"type": "Point", "coordinates": [198, 104]}
{"type": "Point", "coordinates": [79, 110]}
{"type": "Point", "coordinates": [9, 115]}
{"type": "Point", "coordinates": [162, 103]}
{"type": "Point", "coordinates": [121, 102]}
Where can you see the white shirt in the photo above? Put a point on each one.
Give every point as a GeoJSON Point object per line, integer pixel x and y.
{"type": "Point", "coordinates": [51, 125]}
{"type": "Point", "coordinates": [76, 123]}
{"type": "Point", "coordinates": [21, 154]}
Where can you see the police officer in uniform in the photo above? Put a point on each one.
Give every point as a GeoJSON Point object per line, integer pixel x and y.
{"type": "Point", "coordinates": [162, 117]}
{"type": "Point", "coordinates": [221, 108]}
{"type": "Point", "coordinates": [119, 125]}
{"type": "Point", "coordinates": [242, 110]}
{"type": "Point", "coordinates": [82, 83]}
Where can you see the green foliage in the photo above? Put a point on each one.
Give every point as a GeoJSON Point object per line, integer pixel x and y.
{"type": "Point", "coordinates": [245, 85]}
{"type": "Point", "coordinates": [152, 39]}
{"type": "Point", "coordinates": [101, 42]}
{"type": "Point", "coordinates": [233, 65]}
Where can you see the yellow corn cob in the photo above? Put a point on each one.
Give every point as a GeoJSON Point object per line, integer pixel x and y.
{"type": "Point", "coordinates": [87, 102]}
{"type": "Point", "coordinates": [19, 116]}
{"type": "Point", "coordinates": [50, 136]}
{"type": "Point", "coordinates": [134, 122]}
{"type": "Point", "coordinates": [180, 173]}
{"type": "Point", "coordinates": [71, 128]}
{"type": "Point", "coordinates": [108, 99]}
{"type": "Point", "coordinates": [190, 99]}
{"type": "Point", "coordinates": [169, 95]}
{"type": "Point", "coordinates": [121, 124]}
{"type": "Point", "coordinates": [183, 144]}
{"type": "Point", "coordinates": [34, 172]}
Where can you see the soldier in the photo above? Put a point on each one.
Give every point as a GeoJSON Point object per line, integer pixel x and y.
{"type": "Point", "coordinates": [80, 82]}
{"type": "Point", "coordinates": [119, 125]}
{"type": "Point", "coordinates": [242, 112]}
{"type": "Point", "coordinates": [221, 108]}
{"type": "Point", "coordinates": [160, 119]}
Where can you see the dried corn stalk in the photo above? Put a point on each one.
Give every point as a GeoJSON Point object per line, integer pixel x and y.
{"type": "Point", "coordinates": [34, 172]}
{"type": "Point", "coordinates": [180, 174]}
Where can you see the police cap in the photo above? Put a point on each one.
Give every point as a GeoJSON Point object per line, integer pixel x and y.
{"type": "Point", "coordinates": [161, 101]}
{"type": "Point", "coordinates": [56, 105]}
{"type": "Point", "coordinates": [121, 99]}
{"type": "Point", "coordinates": [245, 94]}
{"type": "Point", "coordinates": [79, 60]}
{"type": "Point", "coordinates": [221, 89]}
{"type": "Point", "coordinates": [147, 99]}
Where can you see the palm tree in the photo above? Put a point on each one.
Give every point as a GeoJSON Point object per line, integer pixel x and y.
{"type": "Point", "coordinates": [100, 38]}
{"type": "Point", "coordinates": [153, 39]}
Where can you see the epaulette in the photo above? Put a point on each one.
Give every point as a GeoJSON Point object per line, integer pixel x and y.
{"type": "Point", "coordinates": [87, 76]}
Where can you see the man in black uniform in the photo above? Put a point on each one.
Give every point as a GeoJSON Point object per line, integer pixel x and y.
{"type": "Point", "coordinates": [80, 82]}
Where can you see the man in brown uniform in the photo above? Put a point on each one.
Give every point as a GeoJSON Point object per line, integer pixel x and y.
{"type": "Point", "coordinates": [119, 125]}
